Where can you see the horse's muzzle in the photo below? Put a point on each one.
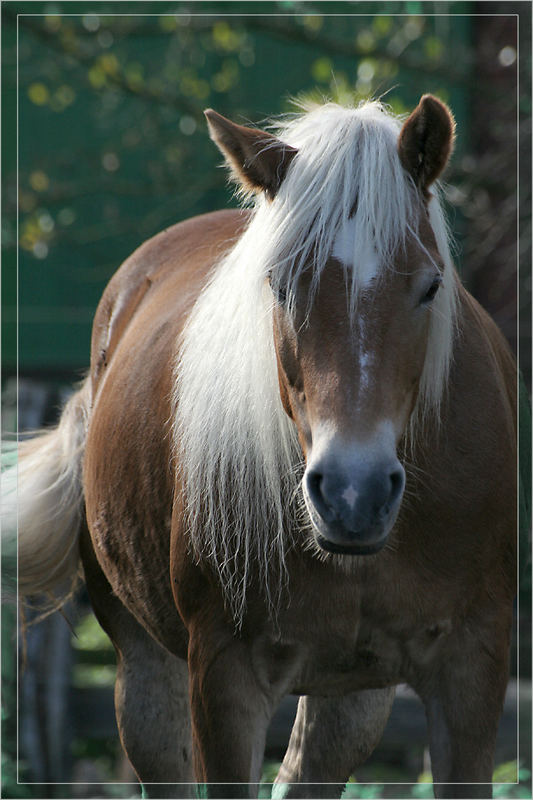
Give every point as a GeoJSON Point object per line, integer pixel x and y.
{"type": "Point", "coordinates": [353, 507]}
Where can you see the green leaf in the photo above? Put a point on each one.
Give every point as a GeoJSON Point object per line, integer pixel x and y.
{"type": "Point", "coordinates": [382, 25]}
{"type": "Point", "coordinates": [433, 48]}
{"type": "Point", "coordinates": [322, 69]}
{"type": "Point", "coordinates": [506, 773]}
{"type": "Point", "coordinates": [38, 94]}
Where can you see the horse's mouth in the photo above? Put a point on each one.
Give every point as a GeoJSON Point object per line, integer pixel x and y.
{"type": "Point", "coordinates": [333, 537]}
{"type": "Point", "coordinates": [359, 549]}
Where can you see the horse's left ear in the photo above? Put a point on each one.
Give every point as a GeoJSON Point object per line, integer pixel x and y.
{"type": "Point", "coordinates": [426, 141]}
{"type": "Point", "coordinates": [258, 161]}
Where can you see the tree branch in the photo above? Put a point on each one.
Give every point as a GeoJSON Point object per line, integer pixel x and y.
{"type": "Point", "coordinates": [142, 92]}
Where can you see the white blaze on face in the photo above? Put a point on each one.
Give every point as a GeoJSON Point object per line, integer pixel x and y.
{"type": "Point", "coordinates": [359, 255]}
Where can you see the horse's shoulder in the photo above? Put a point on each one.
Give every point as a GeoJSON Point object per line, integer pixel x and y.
{"type": "Point", "coordinates": [179, 256]}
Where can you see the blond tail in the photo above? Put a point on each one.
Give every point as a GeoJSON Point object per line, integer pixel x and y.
{"type": "Point", "coordinates": [42, 500]}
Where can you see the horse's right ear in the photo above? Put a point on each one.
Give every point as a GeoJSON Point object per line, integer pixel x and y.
{"type": "Point", "coordinates": [258, 161]}
{"type": "Point", "coordinates": [426, 141]}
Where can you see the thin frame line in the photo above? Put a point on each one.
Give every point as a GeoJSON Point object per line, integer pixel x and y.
{"type": "Point", "coordinates": [245, 15]}
{"type": "Point", "coordinates": [215, 14]}
{"type": "Point", "coordinates": [17, 396]}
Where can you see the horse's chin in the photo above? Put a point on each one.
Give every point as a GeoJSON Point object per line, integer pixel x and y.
{"type": "Point", "coordinates": [353, 549]}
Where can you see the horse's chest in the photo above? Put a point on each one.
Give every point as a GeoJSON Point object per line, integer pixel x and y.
{"type": "Point", "coordinates": [376, 661]}
{"type": "Point", "coordinates": [396, 651]}
{"type": "Point", "coordinates": [370, 649]}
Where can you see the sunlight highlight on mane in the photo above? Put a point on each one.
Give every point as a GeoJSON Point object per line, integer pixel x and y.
{"type": "Point", "coordinates": [236, 449]}
{"type": "Point", "coordinates": [442, 328]}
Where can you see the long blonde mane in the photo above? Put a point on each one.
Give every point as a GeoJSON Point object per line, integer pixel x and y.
{"type": "Point", "coordinates": [236, 449]}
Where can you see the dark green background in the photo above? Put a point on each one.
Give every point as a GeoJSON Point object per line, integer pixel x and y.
{"type": "Point", "coordinates": [112, 146]}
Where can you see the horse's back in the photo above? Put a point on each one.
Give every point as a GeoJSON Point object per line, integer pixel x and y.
{"type": "Point", "coordinates": [128, 463]}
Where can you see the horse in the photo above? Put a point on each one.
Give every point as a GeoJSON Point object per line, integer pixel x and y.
{"type": "Point", "coordinates": [292, 469]}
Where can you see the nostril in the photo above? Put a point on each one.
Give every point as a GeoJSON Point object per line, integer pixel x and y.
{"type": "Point", "coordinates": [315, 491]}
{"type": "Point", "coordinates": [314, 479]}
{"type": "Point", "coordinates": [396, 485]}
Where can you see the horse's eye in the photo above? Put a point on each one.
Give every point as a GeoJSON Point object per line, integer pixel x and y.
{"type": "Point", "coordinates": [281, 295]}
{"type": "Point", "coordinates": [278, 290]}
{"type": "Point", "coordinates": [432, 291]}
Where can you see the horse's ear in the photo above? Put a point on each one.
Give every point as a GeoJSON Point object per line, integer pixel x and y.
{"type": "Point", "coordinates": [258, 161]}
{"type": "Point", "coordinates": [426, 141]}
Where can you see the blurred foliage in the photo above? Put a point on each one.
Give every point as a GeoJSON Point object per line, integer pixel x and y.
{"type": "Point", "coordinates": [85, 676]}
{"type": "Point", "coordinates": [94, 655]}
{"type": "Point", "coordinates": [113, 146]}
{"type": "Point", "coordinates": [10, 767]}
{"type": "Point", "coordinates": [88, 635]}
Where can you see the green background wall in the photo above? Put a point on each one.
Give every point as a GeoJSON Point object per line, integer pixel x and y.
{"type": "Point", "coordinates": [112, 146]}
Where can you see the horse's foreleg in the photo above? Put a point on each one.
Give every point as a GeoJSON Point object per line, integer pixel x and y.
{"type": "Point", "coordinates": [231, 708]}
{"type": "Point", "coordinates": [461, 751]}
{"type": "Point", "coordinates": [463, 706]}
{"type": "Point", "coordinates": [330, 737]}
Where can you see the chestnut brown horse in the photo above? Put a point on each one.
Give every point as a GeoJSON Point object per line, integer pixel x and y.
{"type": "Point", "coordinates": [292, 469]}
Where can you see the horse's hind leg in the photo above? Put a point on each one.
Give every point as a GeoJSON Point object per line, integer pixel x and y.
{"type": "Point", "coordinates": [330, 737]}
{"type": "Point", "coordinates": [151, 695]}
{"type": "Point", "coordinates": [152, 709]}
